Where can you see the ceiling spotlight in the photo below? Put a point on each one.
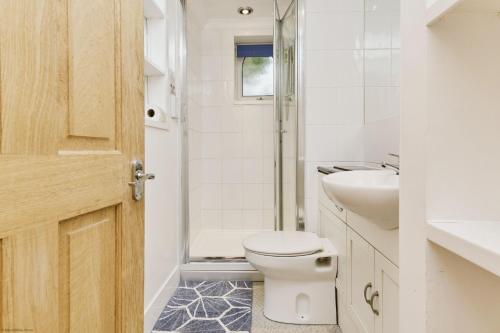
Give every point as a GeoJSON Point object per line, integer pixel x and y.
{"type": "Point", "coordinates": [245, 10]}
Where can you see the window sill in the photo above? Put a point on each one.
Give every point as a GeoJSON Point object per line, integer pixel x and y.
{"type": "Point", "coordinates": [253, 102]}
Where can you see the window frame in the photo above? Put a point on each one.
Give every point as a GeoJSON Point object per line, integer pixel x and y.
{"type": "Point", "coordinates": [265, 99]}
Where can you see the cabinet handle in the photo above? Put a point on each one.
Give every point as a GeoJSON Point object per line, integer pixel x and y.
{"type": "Point", "coordinates": [340, 209]}
{"type": "Point", "coordinates": [368, 286]}
{"type": "Point", "coordinates": [375, 311]}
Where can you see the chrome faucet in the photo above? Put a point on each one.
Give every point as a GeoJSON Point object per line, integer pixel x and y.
{"type": "Point", "coordinates": [391, 166]}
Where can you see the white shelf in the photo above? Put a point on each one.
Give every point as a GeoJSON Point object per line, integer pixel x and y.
{"type": "Point", "coordinates": [152, 10]}
{"type": "Point", "coordinates": [476, 241]}
{"type": "Point", "coordinates": [439, 8]}
{"type": "Point", "coordinates": [152, 69]}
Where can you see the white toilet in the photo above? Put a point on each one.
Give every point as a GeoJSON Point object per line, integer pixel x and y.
{"type": "Point", "coordinates": [299, 271]}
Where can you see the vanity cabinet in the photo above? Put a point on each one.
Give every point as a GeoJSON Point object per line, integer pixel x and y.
{"type": "Point", "coordinates": [372, 287]}
{"type": "Point", "coordinates": [367, 281]}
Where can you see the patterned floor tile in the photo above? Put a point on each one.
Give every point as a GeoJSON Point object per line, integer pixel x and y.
{"type": "Point", "coordinates": [215, 288]}
{"type": "Point", "coordinates": [238, 319]}
{"type": "Point", "coordinates": [208, 307]}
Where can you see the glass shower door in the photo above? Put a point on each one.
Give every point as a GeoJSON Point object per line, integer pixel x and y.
{"type": "Point", "coordinates": [287, 111]}
{"type": "Point", "coordinates": [230, 159]}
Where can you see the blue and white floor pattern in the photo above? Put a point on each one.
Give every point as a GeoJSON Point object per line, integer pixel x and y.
{"type": "Point", "coordinates": [208, 307]}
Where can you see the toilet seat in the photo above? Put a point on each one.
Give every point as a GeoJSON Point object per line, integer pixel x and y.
{"type": "Point", "coordinates": [283, 243]}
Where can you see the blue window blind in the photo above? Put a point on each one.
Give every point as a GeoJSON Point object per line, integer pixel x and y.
{"type": "Point", "coordinates": [254, 50]}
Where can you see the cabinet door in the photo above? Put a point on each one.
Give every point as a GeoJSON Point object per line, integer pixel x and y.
{"type": "Point", "coordinates": [360, 275]}
{"type": "Point", "coordinates": [387, 303]}
{"type": "Point", "coordinates": [335, 230]}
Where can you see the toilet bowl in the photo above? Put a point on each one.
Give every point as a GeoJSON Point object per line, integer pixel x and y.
{"type": "Point", "coordinates": [299, 275]}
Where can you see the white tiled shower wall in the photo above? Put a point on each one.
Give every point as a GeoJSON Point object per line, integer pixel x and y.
{"type": "Point", "coordinates": [235, 140]}
{"type": "Point", "coordinates": [382, 97]}
{"type": "Point", "coordinates": [351, 85]}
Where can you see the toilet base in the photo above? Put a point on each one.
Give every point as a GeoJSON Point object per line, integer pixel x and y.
{"type": "Point", "coordinates": [300, 302]}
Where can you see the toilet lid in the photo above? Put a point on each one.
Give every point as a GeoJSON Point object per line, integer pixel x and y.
{"type": "Point", "coordinates": [283, 243]}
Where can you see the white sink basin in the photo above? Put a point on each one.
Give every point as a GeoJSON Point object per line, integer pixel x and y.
{"type": "Point", "coordinates": [373, 194]}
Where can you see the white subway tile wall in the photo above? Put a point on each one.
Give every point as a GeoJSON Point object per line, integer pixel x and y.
{"type": "Point", "coordinates": [351, 86]}
{"type": "Point", "coordinates": [234, 141]}
{"type": "Point", "coordinates": [381, 78]}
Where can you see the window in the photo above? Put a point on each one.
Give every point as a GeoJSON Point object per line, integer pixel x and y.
{"type": "Point", "coordinates": [255, 71]}
{"type": "Point", "coordinates": [257, 75]}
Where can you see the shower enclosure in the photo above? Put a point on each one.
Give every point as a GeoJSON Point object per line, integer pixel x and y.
{"type": "Point", "coordinates": [241, 142]}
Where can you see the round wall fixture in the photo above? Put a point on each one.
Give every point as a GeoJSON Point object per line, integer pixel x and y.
{"type": "Point", "coordinates": [245, 10]}
{"type": "Point", "coordinates": [151, 113]}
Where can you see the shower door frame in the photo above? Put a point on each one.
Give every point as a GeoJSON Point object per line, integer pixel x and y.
{"type": "Point", "coordinates": [300, 145]}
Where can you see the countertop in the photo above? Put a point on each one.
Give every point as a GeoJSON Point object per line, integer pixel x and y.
{"type": "Point", "coordinates": [332, 169]}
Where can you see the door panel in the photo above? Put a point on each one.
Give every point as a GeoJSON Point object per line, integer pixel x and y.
{"type": "Point", "coordinates": [32, 83]}
{"type": "Point", "coordinates": [29, 281]}
{"type": "Point", "coordinates": [91, 44]}
{"type": "Point", "coordinates": [71, 122]}
{"type": "Point", "coordinates": [360, 272]}
{"type": "Point", "coordinates": [87, 272]}
{"type": "Point", "coordinates": [75, 68]}
{"type": "Point", "coordinates": [387, 284]}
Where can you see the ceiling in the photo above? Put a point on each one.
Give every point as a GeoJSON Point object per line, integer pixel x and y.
{"type": "Point", "coordinates": [228, 9]}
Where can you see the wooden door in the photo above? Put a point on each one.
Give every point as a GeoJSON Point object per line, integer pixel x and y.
{"type": "Point", "coordinates": [71, 111]}
{"type": "Point", "coordinates": [360, 275]}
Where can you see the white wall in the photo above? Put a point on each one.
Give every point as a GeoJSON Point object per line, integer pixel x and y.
{"type": "Point", "coordinates": [334, 90]}
{"type": "Point", "coordinates": [161, 218]}
{"type": "Point", "coordinates": [162, 195]}
{"type": "Point", "coordinates": [412, 205]}
{"type": "Point", "coordinates": [236, 140]}
{"type": "Point", "coordinates": [352, 86]}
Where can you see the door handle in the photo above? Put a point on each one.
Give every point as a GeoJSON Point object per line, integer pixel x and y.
{"type": "Point", "coordinates": [139, 177]}
{"type": "Point", "coordinates": [368, 286]}
{"type": "Point", "coordinates": [375, 311]}
{"type": "Point", "coordinates": [371, 300]}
